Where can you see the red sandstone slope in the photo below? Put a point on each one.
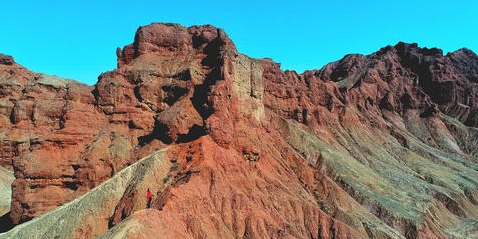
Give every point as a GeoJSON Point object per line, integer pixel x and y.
{"type": "Point", "coordinates": [366, 147]}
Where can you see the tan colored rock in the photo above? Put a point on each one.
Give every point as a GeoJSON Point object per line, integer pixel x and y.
{"type": "Point", "coordinates": [6, 179]}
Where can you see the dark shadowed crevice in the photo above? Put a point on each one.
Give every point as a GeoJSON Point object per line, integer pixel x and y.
{"type": "Point", "coordinates": [406, 101]}
{"type": "Point", "coordinates": [385, 102]}
{"type": "Point", "coordinates": [137, 94]}
{"type": "Point", "coordinates": [71, 185]}
{"type": "Point", "coordinates": [123, 215]}
{"type": "Point", "coordinates": [34, 186]}
{"type": "Point", "coordinates": [173, 93]}
{"type": "Point", "coordinates": [12, 116]}
{"type": "Point", "coordinates": [6, 223]}
{"type": "Point", "coordinates": [132, 125]}
{"type": "Point", "coordinates": [429, 112]}
{"type": "Point", "coordinates": [212, 61]}
{"type": "Point", "coordinates": [185, 75]}
{"type": "Point", "coordinates": [295, 115]}
{"type": "Point", "coordinates": [304, 116]}
{"type": "Point", "coordinates": [160, 132]}
{"type": "Point", "coordinates": [212, 52]}
{"type": "Point", "coordinates": [332, 230]}
{"type": "Point", "coordinates": [96, 94]}
{"type": "Point", "coordinates": [194, 133]}
{"type": "Point", "coordinates": [411, 232]}
{"type": "Point", "coordinates": [112, 170]}
{"type": "Point", "coordinates": [200, 101]}
{"type": "Point", "coordinates": [319, 231]}
{"type": "Point", "coordinates": [472, 119]}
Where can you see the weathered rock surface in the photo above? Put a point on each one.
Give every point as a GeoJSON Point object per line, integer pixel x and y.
{"type": "Point", "coordinates": [63, 138]}
{"type": "Point", "coordinates": [377, 146]}
{"type": "Point", "coordinates": [143, 224]}
{"type": "Point", "coordinates": [6, 60]}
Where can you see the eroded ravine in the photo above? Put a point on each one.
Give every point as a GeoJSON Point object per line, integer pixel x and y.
{"type": "Point", "coordinates": [378, 146]}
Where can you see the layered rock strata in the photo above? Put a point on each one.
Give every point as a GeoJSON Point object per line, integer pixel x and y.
{"type": "Point", "coordinates": [376, 146]}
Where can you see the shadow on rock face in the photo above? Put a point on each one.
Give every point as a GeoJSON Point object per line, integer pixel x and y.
{"type": "Point", "coordinates": [6, 223]}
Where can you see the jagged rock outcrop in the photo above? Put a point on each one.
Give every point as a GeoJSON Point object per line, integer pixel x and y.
{"type": "Point", "coordinates": [64, 138]}
{"type": "Point", "coordinates": [377, 146]}
{"type": "Point", "coordinates": [6, 60]}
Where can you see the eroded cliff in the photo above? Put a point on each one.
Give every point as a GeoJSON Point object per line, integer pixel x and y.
{"type": "Point", "coordinates": [377, 146]}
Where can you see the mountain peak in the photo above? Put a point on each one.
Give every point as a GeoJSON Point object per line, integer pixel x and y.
{"type": "Point", "coordinates": [6, 59]}
{"type": "Point", "coordinates": [173, 39]}
{"type": "Point", "coordinates": [371, 146]}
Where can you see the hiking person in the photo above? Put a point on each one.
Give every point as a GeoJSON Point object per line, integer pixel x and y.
{"type": "Point", "coordinates": [148, 197]}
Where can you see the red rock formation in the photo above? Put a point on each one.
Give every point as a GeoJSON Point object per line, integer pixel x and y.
{"type": "Point", "coordinates": [63, 138]}
{"type": "Point", "coordinates": [6, 60]}
{"type": "Point", "coordinates": [357, 149]}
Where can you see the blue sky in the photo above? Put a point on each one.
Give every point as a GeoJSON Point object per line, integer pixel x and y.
{"type": "Point", "coordinates": [78, 39]}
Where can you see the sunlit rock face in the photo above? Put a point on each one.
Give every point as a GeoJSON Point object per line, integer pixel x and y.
{"type": "Point", "coordinates": [376, 146]}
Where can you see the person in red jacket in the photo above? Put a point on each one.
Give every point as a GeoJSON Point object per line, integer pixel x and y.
{"type": "Point", "coordinates": [148, 198]}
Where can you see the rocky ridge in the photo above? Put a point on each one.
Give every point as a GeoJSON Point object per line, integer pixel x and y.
{"type": "Point", "coordinates": [377, 146]}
